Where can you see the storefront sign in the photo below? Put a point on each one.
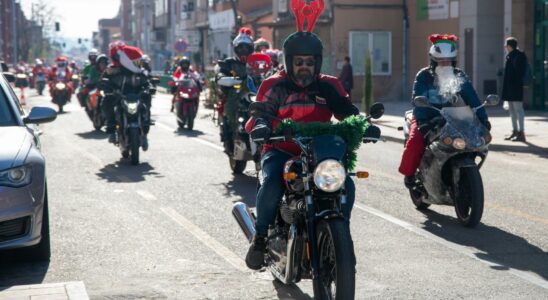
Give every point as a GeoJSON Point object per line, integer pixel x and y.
{"type": "Point", "coordinates": [222, 20]}
{"type": "Point", "coordinates": [432, 10]}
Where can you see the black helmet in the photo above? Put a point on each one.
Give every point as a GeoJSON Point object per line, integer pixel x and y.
{"type": "Point", "coordinates": [184, 61]}
{"type": "Point", "coordinates": [302, 43]}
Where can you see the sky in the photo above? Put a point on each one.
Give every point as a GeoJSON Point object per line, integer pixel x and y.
{"type": "Point", "coordinates": [78, 18]}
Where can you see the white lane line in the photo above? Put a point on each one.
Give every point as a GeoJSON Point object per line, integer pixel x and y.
{"type": "Point", "coordinates": [467, 251]}
{"type": "Point", "coordinates": [206, 239]}
{"type": "Point", "coordinates": [146, 195]}
{"type": "Point", "coordinates": [197, 139]}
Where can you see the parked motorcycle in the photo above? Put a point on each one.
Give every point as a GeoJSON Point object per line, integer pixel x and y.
{"type": "Point", "coordinates": [187, 97]}
{"type": "Point", "coordinates": [61, 94]}
{"type": "Point", "coordinates": [311, 237]}
{"type": "Point", "coordinates": [448, 173]}
{"type": "Point", "coordinates": [94, 110]}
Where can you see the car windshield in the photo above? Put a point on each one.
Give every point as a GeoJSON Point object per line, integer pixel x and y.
{"type": "Point", "coordinates": [6, 113]}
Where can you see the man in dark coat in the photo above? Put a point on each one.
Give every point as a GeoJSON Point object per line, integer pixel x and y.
{"type": "Point", "coordinates": [346, 78]}
{"type": "Point", "coordinates": [512, 88]}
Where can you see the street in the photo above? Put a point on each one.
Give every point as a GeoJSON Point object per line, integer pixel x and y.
{"type": "Point", "coordinates": [164, 229]}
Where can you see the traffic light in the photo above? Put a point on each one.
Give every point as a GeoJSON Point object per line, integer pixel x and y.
{"type": "Point", "coordinates": [79, 41]}
{"type": "Point", "coordinates": [57, 26]}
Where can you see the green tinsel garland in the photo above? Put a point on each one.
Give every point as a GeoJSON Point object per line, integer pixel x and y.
{"type": "Point", "coordinates": [350, 129]}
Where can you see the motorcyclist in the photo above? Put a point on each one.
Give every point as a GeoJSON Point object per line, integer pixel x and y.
{"type": "Point", "coordinates": [90, 76]}
{"type": "Point", "coordinates": [124, 68]}
{"type": "Point", "coordinates": [274, 55]}
{"type": "Point", "coordinates": [303, 94]}
{"type": "Point", "coordinates": [443, 85]}
{"type": "Point", "coordinates": [75, 69]}
{"type": "Point", "coordinates": [60, 72]}
{"type": "Point", "coordinates": [145, 63]}
{"type": "Point", "coordinates": [232, 66]}
{"type": "Point", "coordinates": [261, 44]}
{"type": "Point", "coordinates": [38, 68]}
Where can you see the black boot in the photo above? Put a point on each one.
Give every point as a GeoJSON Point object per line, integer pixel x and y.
{"type": "Point", "coordinates": [520, 137]}
{"type": "Point", "coordinates": [513, 135]}
{"type": "Point", "coordinates": [255, 255]}
{"type": "Point", "coordinates": [410, 182]}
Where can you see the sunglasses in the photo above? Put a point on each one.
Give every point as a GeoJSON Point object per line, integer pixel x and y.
{"type": "Point", "coordinates": [300, 62]}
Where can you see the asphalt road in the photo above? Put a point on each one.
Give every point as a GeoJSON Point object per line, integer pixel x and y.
{"type": "Point", "coordinates": [164, 229]}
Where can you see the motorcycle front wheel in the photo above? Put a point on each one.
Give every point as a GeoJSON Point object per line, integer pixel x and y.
{"type": "Point", "coordinates": [469, 197]}
{"type": "Point", "coordinates": [134, 144]}
{"type": "Point", "coordinates": [190, 117]}
{"type": "Point", "coordinates": [337, 261]}
{"type": "Point", "coordinates": [237, 166]}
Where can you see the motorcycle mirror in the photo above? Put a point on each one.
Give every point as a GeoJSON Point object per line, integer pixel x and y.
{"type": "Point", "coordinates": [492, 100]}
{"type": "Point", "coordinates": [9, 76]}
{"type": "Point", "coordinates": [376, 111]}
{"type": "Point", "coordinates": [421, 101]}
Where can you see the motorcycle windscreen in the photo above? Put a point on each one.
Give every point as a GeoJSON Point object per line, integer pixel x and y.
{"type": "Point", "coordinates": [132, 97]}
{"type": "Point", "coordinates": [187, 83]}
{"type": "Point", "coordinates": [462, 122]}
{"type": "Point", "coordinates": [328, 146]}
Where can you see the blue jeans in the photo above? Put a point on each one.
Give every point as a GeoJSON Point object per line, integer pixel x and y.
{"type": "Point", "coordinates": [517, 114]}
{"type": "Point", "coordinates": [272, 190]}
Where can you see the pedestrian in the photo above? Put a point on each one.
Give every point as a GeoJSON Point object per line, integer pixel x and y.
{"type": "Point", "coordinates": [512, 88]}
{"type": "Point", "coordinates": [346, 77]}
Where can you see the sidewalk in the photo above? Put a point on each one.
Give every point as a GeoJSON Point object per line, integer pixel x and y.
{"type": "Point", "coordinates": [536, 128]}
{"type": "Point", "coordinates": [54, 291]}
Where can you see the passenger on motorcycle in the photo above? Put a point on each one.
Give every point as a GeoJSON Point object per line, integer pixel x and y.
{"type": "Point", "coordinates": [233, 66]}
{"type": "Point", "coordinates": [443, 85]}
{"type": "Point", "coordinates": [60, 72]}
{"type": "Point", "coordinates": [125, 65]}
{"type": "Point", "coordinates": [303, 94]}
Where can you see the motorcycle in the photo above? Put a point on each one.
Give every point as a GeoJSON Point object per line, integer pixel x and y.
{"type": "Point", "coordinates": [187, 97]}
{"type": "Point", "coordinates": [238, 147]}
{"type": "Point", "coordinates": [61, 94]}
{"type": "Point", "coordinates": [311, 237]}
{"type": "Point", "coordinates": [94, 110]}
{"type": "Point", "coordinates": [131, 114]}
{"type": "Point", "coordinates": [448, 173]}
{"type": "Point", "coordinates": [40, 82]}
{"type": "Point", "coordinates": [75, 81]}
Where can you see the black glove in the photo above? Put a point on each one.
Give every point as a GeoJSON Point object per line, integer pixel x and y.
{"type": "Point", "coordinates": [261, 130]}
{"type": "Point", "coordinates": [373, 132]}
{"type": "Point", "coordinates": [425, 128]}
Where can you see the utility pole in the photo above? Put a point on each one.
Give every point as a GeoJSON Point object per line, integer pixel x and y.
{"type": "Point", "coordinates": [14, 32]}
{"type": "Point", "coordinates": [173, 25]}
{"type": "Point", "coordinates": [405, 64]}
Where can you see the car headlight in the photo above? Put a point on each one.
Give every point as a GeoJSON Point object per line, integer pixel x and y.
{"type": "Point", "coordinates": [329, 175]}
{"type": "Point", "coordinates": [16, 177]}
{"type": "Point", "coordinates": [459, 144]}
{"type": "Point", "coordinates": [60, 86]}
{"type": "Point", "coordinates": [132, 108]}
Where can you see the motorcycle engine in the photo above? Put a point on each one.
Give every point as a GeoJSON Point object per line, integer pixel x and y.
{"type": "Point", "coordinates": [290, 209]}
{"type": "Point", "coordinates": [277, 247]}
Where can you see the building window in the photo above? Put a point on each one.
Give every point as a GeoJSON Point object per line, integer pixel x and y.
{"type": "Point", "coordinates": [378, 43]}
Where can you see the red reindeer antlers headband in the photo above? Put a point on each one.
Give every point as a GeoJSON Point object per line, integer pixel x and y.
{"type": "Point", "coordinates": [310, 11]}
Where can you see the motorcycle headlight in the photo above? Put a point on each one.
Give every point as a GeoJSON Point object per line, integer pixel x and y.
{"type": "Point", "coordinates": [253, 98]}
{"type": "Point", "coordinates": [60, 86]}
{"type": "Point", "coordinates": [185, 95]}
{"type": "Point", "coordinates": [329, 175]}
{"type": "Point", "coordinates": [74, 76]}
{"type": "Point", "coordinates": [132, 108]}
{"type": "Point", "coordinates": [459, 144]}
{"type": "Point", "coordinates": [16, 177]}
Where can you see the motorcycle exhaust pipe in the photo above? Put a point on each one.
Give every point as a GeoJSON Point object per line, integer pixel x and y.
{"type": "Point", "coordinates": [243, 216]}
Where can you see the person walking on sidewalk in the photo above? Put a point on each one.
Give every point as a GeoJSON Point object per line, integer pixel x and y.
{"type": "Point", "coordinates": [512, 88]}
{"type": "Point", "coordinates": [346, 77]}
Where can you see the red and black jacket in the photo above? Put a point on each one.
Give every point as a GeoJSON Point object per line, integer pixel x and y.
{"type": "Point", "coordinates": [318, 102]}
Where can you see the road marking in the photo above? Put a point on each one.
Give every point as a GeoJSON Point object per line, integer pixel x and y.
{"type": "Point", "coordinates": [146, 195]}
{"type": "Point", "coordinates": [197, 139]}
{"type": "Point", "coordinates": [206, 239]}
{"type": "Point", "coordinates": [531, 278]}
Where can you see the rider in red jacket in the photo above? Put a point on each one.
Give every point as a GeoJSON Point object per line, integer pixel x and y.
{"type": "Point", "coordinates": [60, 72]}
{"type": "Point", "coordinates": [302, 94]}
